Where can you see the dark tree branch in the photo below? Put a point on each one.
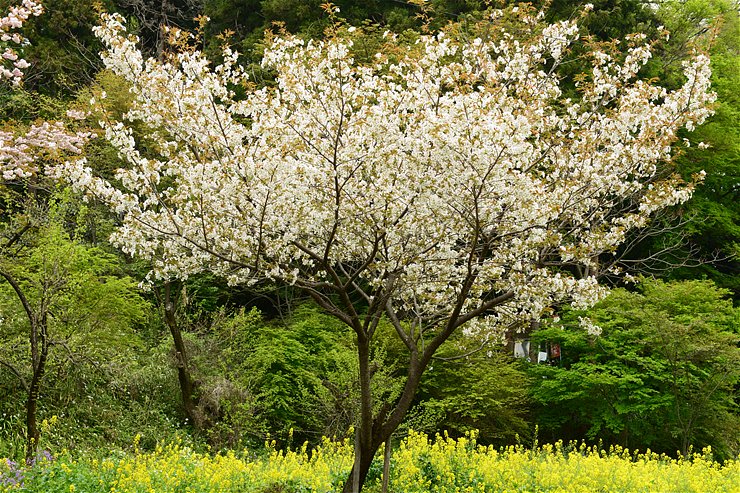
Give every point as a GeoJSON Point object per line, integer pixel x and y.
{"type": "Point", "coordinates": [15, 372]}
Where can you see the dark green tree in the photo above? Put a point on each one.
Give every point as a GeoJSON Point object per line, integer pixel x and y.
{"type": "Point", "coordinates": [63, 51]}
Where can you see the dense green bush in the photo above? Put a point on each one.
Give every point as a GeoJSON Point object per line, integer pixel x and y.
{"type": "Point", "coordinates": [662, 375]}
{"type": "Point", "coordinates": [485, 391]}
{"type": "Point", "coordinates": [293, 379]}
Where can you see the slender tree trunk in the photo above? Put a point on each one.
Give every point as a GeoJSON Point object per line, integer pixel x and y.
{"type": "Point", "coordinates": [160, 32]}
{"type": "Point", "coordinates": [187, 385]}
{"type": "Point", "coordinates": [365, 447]}
{"type": "Point", "coordinates": [39, 341]}
{"type": "Point", "coordinates": [360, 469]}
{"type": "Point", "coordinates": [375, 432]}
{"type": "Point", "coordinates": [355, 474]}
{"type": "Point", "coordinates": [41, 349]}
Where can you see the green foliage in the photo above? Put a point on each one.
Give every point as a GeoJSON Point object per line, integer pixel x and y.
{"type": "Point", "coordinates": [662, 374]}
{"type": "Point", "coordinates": [95, 352]}
{"type": "Point", "coordinates": [484, 391]}
{"type": "Point", "coordinates": [247, 20]}
{"type": "Point", "coordinates": [81, 286]}
{"type": "Point", "coordinates": [19, 106]}
{"type": "Point", "coordinates": [88, 403]}
{"type": "Point", "coordinates": [265, 378]}
{"type": "Point", "coordinates": [293, 380]}
{"type": "Point", "coordinates": [609, 19]}
{"type": "Point", "coordinates": [715, 210]}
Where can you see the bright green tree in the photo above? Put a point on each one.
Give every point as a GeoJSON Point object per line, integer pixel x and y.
{"type": "Point", "coordinates": [479, 390]}
{"type": "Point", "coordinates": [661, 375]}
{"type": "Point", "coordinates": [61, 299]}
{"type": "Point", "coordinates": [713, 229]}
{"type": "Point", "coordinates": [290, 378]}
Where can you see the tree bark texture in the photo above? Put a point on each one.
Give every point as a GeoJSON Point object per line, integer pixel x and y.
{"type": "Point", "coordinates": [39, 343]}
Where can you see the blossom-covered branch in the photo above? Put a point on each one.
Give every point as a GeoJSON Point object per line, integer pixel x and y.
{"type": "Point", "coordinates": [19, 153]}
{"type": "Point", "coordinates": [14, 19]}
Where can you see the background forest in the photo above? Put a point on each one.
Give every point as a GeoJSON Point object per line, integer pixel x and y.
{"type": "Point", "coordinates": [229, 367]}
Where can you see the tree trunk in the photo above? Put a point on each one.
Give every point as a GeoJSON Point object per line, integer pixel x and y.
{"type": "Point", "coordinates": [187, 386]}
{"type": "Point", "coordinates": [364, 459]}
{"type": "Point", "coordinates": [33, 434]}
{"type": "Point", "coordinates": [38, 339]}
{"type": "Point", "coordinates": [361, 467]}
{"type": "Point", "coordinates": [375, 432]}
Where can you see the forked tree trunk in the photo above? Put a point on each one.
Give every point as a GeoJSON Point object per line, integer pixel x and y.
{"type": "Point", "coordinates": [39, 342]}
{"type": "Point", "coordinates": [375, 431]}
{"type": "Point", "coordinates": [358, 474]}
{"type": "Point", "coordinates": [365, 455]}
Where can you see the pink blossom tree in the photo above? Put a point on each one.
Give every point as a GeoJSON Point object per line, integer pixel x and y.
{"type": "Point", "coordinates": [13, 65]}
{"type": "Point", "coordinates": [19, 151]}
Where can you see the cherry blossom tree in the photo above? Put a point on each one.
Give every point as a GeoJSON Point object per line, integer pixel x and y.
{"type": "Point", "coordinates": [13, 65]}
{"type": "Point", "coordinates": [447, 185]}
{"type": "Point", "coordinates": [19, 151]}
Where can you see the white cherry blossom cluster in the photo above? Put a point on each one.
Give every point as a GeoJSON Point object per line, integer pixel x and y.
{"type": "Point", "coordinates": [440, 178]}
{"type": "Point", "coordinates": [589, 326]}
{"type": "Point", "coordinates": [13, 65]}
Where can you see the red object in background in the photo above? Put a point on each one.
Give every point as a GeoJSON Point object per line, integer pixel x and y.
{"type": "Point", "coordinates": [555, 351]}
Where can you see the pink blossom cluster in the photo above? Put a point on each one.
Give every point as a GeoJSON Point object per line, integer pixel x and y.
{"type": "Point", "coordinates": [19, 155]}
{"type": "Point", "coordinates": [14, 19]}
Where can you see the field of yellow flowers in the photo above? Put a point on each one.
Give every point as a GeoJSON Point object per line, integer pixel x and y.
{"type": "Point", "coordinates": [418, 465]}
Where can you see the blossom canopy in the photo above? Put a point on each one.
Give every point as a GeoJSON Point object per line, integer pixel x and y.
{"type": "Point", "coordinates": [445, 176]}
